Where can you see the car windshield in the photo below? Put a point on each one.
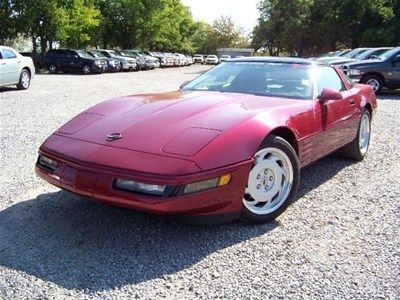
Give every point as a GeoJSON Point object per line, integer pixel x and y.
{"type": "Point", "coordinates": [276, 79]}
{"type": "Point", "coordinates": [386, 55]}
{"type": "Point", "coordinates": [83, 54]}
{"type": "Point", "coordinates": [354, 52]}
{"type": "Point", "coordinates": [98, 54]}
{"type": "Point", "coordinates": [113, 53]}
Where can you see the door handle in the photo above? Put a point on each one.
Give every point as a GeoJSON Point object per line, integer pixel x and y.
{"type": "Point", "coordinates": [352, 101]}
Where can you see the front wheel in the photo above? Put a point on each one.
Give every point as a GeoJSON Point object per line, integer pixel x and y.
{"type": "Point", "coordinates": [273, 181]}
{"type": "Point", "coordinates": [375, 82]}
{"type": "Point", "coordinates": [358, 148]}
{"type": "Point", "coordinates": [24, 80]}
{"type": "Point", "coordinates": [86, 69]}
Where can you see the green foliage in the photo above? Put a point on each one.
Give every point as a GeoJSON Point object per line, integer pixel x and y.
{"type": "Point", "coordinates": [301, 27]}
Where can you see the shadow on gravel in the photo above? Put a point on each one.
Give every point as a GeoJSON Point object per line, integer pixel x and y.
{"type": "Point", "coordinates": [80, 244]}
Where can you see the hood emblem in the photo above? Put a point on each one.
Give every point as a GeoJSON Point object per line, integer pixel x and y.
{"type": "Point", "coordinates": [113, 136]}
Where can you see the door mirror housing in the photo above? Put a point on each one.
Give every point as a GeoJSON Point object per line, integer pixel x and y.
{"type": "Point", "coordinates": [329, 94]}
{"type": "Point", "coordinates": [184, 84]}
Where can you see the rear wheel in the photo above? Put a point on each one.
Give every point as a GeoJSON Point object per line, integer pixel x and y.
{"type": "Point", "coordinates": [358, 148]}
{"type": "Point", "coordinates": [273, 181]}
{"type": "Point", "coordinates": [53, 68]}
{"type": "Point", "coordinates": [24, 80]}
{"type": "Point", "coordinates": [374, 81]}
{"type": "Point", "coordinates": [86, 69]}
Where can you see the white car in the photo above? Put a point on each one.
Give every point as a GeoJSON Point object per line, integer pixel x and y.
{"type": "Point", "coordinates": [15, 69]}
{"type": "Point", "coordinates": [224, 58]}
{"type": "Point", "coordinates": [212, 60]}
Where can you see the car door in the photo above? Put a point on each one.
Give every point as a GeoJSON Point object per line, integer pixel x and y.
{"type": "Point", "coordinates": [10, 66]}
{"type": "Point", "coordinates": [393, 70]}
{"type": "Point", "coordinates": [336, 119]}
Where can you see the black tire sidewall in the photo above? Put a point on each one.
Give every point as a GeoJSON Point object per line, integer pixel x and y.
{"type": "Point", "coordinates": [281, 144]}
{"type": "Point", "coordinates": [83, 69]}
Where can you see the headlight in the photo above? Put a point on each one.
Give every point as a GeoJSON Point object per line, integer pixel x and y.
{"type": "Point", "coordinates": [207, 184]}
{"type": "Point", "coordinates": [112, 62]}
{"type": "Point", "coordinates": [97, 63]}
{"type": "Point", "coordinates": [47, 163]}
{"type": "Point", "coordinates": [354, 72]}
{"type": "Point", "coordinates": [139, 187]}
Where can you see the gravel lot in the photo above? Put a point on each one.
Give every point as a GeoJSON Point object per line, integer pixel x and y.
{"type": "Point", "coordinates": [339, 240]}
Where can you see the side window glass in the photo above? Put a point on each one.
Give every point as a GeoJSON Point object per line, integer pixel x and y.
{"type": "Point", "coordinates": [328, 78]}
{"type": "Point", "coordinates": [7, 54]}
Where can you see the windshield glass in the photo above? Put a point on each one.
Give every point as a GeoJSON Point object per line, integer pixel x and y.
{"type": "Point", "coordinates": [354, 52]}
{"type": "Point", "coordinates": [83, 54]}
{"type": "Point", "coordinates": [287, 80]}
{"type": "Point", "coordinates": [389, 53]}
{"type": "Point", "coordinates": [98, 54]}
{"type": "Point", "coordinates": [113, 53]}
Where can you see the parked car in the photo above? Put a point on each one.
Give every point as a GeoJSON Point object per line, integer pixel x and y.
{"type": "Point", "coordinates": [378, 73]}
{"type": "Point", "coordinates": [364, 55]}
{"type": "Point", "coordinates": [15, 69]}
{"type": "Point", "coordinates": [349, 55]}
{"type": "Point", "coordinates": [145, 62]}
{"type": "Point", "coordinates": [208, 154]}
{"type": "Point", "coordinates": [198, 59]}
{"type": "Point", "coordinates": [224, 58]}
{"type": "Point", "coordinates": [212, 60]}
{"type": "Point", "coordinates": [127, 63]}
{"type": "Point", "coordinates": [73, 60]}
{"type": "Point", "coordinates": [114, 65]}
{"type": "Point", "coordinates": [162, 59]}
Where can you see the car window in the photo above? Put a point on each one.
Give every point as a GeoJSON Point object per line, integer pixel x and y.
{"type": "Point", "coordinates": [328, 78]}
{"type": "Point", "coordinates": [286, 80]}
{"type": "Point", "coordinates": [388, 54]}
{"type": "Point", "coordinates": [7, 54]}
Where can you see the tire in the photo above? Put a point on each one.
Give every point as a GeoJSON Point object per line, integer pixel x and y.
{"type": "Point", "coordinates": [375, 82]}
{"type": "Point", "coordinates": [358, 148]}
{"type": "Point", "coordinates": [24, 80]}
{"type": "Point", "coordinates": [275, 175]}
{"type": "Point", "coordinates": [53, 69]}
{"type": "Point", "coordinates": [86, 69]}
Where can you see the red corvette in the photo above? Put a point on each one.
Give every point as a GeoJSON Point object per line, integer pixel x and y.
{"type": "Point", "coordinates": [229, 144]}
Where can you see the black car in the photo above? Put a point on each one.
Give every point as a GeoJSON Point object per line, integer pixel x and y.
{"type": "Point", "coordinates": [114, 65]}
{"type": "Point", "coordinates": [73, 61]}
{"type": "Point", "coordinates": [378, 73]}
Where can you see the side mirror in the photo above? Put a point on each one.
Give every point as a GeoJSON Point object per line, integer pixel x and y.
{"type": "Point", "coordinates": [329, 94]}
{"type": "Point", "coordinates": [373, 56]}
{"type": "Point", "coordinates": [183, 84]}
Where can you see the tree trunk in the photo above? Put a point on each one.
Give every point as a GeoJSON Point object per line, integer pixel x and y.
{"type": "Point", "coordinates": [34, 45]}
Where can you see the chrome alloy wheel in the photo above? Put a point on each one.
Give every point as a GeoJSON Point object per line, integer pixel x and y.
{"type": "Point", "coordinates": [270, 181]}
{"type": "Point", "coordinates": [52, 69]}
{"type": "Point", "coordinates": [86, 70]}
{"type": "Point", "coordinates": [25, 79]}
{"type": "Point", "coordinates": [374, 84]}
{"type": "Point", "coordinates": [365, 133]}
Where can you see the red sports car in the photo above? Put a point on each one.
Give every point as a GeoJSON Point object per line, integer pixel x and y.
{"type": "Point", "coordinates": [229, 144]}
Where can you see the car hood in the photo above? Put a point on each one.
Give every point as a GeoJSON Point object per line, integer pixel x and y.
{"type": "Point", "coordinates": [179, 123]}
{"type": "Point", "coordinates": [362, 64]}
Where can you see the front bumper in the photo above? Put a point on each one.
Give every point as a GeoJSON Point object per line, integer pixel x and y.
{"type": "Point", "coordinates": [355, 79]}
{"type": "Point", "coordinates": [129, 66]}
{"type": "Point", "coordinates": [97, 182]}
{"type": "Point", "coordinates": [99, 68]}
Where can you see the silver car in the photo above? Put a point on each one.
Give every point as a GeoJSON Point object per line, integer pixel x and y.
{"type": "Point", "coordinates": [15, 69]}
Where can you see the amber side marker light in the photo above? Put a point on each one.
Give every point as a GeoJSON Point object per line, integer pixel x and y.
{"type": "Point", "coordinates": [207, 184]}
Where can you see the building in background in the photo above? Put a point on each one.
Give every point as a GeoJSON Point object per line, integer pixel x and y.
{"type": "Point", "coordinates": [233, 52]}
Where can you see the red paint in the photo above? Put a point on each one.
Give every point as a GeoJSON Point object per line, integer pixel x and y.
{"type": "Point", "coordinates": [183, 137]}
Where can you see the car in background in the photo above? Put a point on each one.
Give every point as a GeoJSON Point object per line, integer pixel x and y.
{"type": "Point", "coordinates": [228, 145]}
{"type": "Point", "coordinates": [378, 73]}
{"type": "Point", "coordinates": [198, 59]}
{"type": "Point", "coordinates": [15, 69]}
{"type": "Point", "coordinates": [368, 54]}
{"type": "Point", "coordinates": [224, 58]}
{"type": "Point", "coordinates": [160, 56]}
{"type": "Point", "coordinates": [127, 63]}
{"type": "Point", "coordinates": [212, 60]}
{"type": "Point", "coordinates": [73, 60]}
{"type": "Point", "coordinates": [145, 62]}
{"type": "Point", "coordinates": [349, 55]}
{"type": "Point", "coordinates": [36, 58]}
{"type": "Point", "coordinates": [114, 65]}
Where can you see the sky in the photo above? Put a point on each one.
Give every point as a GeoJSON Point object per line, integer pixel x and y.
{"type": "Point", "coordinates": [243, 12]}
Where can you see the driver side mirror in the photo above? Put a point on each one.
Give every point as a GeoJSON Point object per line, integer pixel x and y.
{"type": "Point", "coordinates": [329, 94]}
{"type": "Point", "coordinates": [183, 84]}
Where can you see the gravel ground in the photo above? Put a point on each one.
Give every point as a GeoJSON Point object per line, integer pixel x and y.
{"type": "Point", "coordinates": [339, 240]}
